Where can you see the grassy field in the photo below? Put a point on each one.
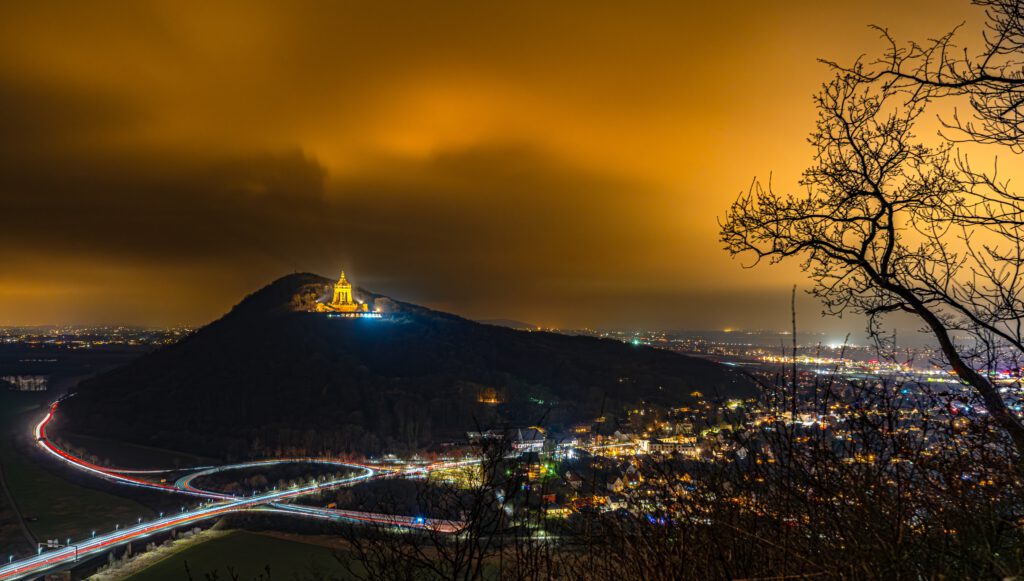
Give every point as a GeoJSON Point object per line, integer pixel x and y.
{"type": "Point", "coordinates": [125, 455]}
{"type": "Point", "coordinates": [60, 508]}
{"type": "Point", "coordinates": [11, 536]}
{"type": "Point", "coordinates": [14, 403]}
{"type": "Point", "coordinates": [248, 554]}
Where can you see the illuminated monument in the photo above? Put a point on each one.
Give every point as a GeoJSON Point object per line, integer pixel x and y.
{"type": "Point", "coordinates": [342, 304]}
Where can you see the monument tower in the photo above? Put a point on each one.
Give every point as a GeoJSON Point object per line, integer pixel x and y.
{"type": "Point", "coordinates": [342, 293]}
{"type": "Point", "coordinates": [343, 303]}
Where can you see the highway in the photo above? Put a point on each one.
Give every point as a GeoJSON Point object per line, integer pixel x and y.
{"type": "Point", "coordinates": [217, 504]}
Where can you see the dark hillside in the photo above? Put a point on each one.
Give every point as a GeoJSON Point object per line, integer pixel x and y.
{"type": "Point", "coordinates": [269, 378]}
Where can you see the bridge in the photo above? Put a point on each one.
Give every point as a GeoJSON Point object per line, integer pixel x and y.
{"type": "Point", "coordinates": [215, 503]}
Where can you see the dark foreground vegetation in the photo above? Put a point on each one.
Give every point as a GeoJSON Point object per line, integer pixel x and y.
{"type": "Point", "coordinates": [892, 498]}
{"type": "Point", "coordinates": [901, 483]}
{"type": "Point", "coordinates": [246, 481]}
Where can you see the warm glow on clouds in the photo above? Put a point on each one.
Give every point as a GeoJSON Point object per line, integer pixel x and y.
{"type": "Point", "coordinates": [557, 163]}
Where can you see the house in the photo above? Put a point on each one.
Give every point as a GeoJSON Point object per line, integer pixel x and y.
{"type": "Point", "coordinates": [616, 484]}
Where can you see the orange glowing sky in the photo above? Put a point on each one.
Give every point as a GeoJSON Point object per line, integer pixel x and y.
{"type": "Point", "coordinates": [558, 163]}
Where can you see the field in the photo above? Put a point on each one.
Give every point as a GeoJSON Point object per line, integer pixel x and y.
{"type": "Point", "coordinates": [10, 533]}
{"type": "Point", "coordinates": [54, 507]}
{"type": "Point", "coordinates": [248, 554]}
{"type": "Point", "coordinates": [244, 481]}
{"type": "Point", "coordinates": [126, 455]}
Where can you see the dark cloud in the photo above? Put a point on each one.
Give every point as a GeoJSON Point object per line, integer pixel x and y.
{"type": "Point", "coordinates": [41, 118]}
{"type": "Point", "coordinates": [447, 228]}
{"type": "Point", "coordinates": [561, 164]}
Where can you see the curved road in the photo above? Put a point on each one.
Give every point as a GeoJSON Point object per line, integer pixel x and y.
{"type": "Point", "coordinates": [219, 504]}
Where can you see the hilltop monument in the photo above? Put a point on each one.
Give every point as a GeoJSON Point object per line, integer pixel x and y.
{"type": "Point", "coordinates": [343, 303]}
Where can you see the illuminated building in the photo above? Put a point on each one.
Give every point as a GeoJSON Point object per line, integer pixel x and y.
{"type": "Point", "coordinates": [528, 439]}
{"type": "Point", "coordinates": [25, 382]}
{"type": "Point", "coordinates": [557, 511]}
{"type": "Point", "coordinates": [489, 396]}
{"type": "Point", "coordinates": [343, 304]}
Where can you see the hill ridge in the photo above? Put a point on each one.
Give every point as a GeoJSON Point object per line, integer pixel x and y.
{"type": "Point", "coordinates": [269, 376]}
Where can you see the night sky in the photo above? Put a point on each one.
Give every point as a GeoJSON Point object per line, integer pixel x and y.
{"type": "Point", "coordinates": [560, 163]}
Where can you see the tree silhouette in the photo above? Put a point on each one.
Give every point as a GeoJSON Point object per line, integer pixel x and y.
{"type": "Point", "coordinates": [991, 77]}
{"type": "Point", "coordinates": [890, 224]}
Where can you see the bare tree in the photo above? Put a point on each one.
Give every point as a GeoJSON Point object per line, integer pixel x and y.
{"type": "Point", "coordinates": [482, 500]}
{"type": "Point", "coordinates": [889, 224]}
{"type": "Point", "coordinates": [990, 77]}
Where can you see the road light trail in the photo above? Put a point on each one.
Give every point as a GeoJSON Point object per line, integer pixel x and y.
{"type": "Point", "coordinates": [272, 501]}
{"type": "Point", "coordinates": [39, 563]}
{"type": "Point", "coordinates": [409, 522]}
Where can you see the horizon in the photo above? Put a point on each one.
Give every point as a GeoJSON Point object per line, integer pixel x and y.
{"type": "Point", "coordinates": [469, 290]}
{"type": "Point", "coordinates": [817, 325]}
{"type": "Point", "coordinates": [161, 163]}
